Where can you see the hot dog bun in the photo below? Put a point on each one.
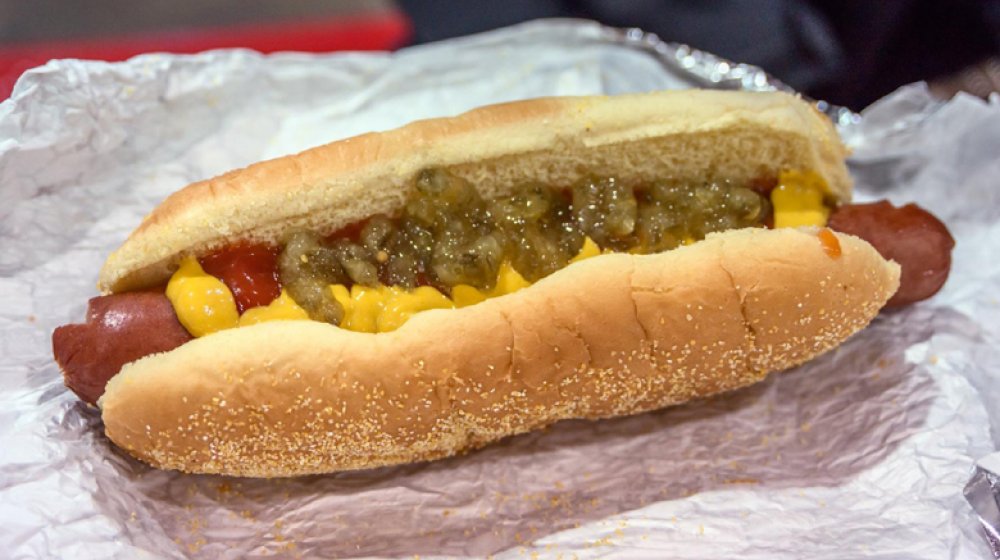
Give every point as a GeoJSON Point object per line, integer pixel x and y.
{"type": "Point", "coordinates": [688, 134]}
{"type": "Point", "coordinates": [612, 335]}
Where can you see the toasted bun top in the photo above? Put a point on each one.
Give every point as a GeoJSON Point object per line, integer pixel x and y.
{"type": "Point", "coordinates": [612, 335]}
{"type": "Point", "coordinates": [686, 135]}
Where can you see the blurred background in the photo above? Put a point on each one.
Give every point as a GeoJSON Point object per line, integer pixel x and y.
{"type": "Point", "coordinates": [849, 52]}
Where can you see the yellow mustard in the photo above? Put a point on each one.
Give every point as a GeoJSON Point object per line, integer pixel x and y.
{"type": "Point", "coordinates": [509, 281]}
{"type": "Point", "coordinates": [384, 308]}
{"type": "Point", "coordinates": [465, 295]}
{"type": "Point", "coordinates": [404, 304]}
{"type": "Point", "coordinates": [798, 200]}
{"type": "Point", "coordinates": [361, 305]}
{"type": "Point", "coordinates": [202, 302]}
{"type": "Point", "coordinates": [283, 308]}
{"type": "Point", "coordinates": [589, 249]}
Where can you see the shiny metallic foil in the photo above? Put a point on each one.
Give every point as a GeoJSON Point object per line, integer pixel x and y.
{"type": "Point", "coordinates": [862, 453]}
{"type": "Point", "coordinates": [983, 492]}
{"type": "Point", "coordinates": [706, 70]}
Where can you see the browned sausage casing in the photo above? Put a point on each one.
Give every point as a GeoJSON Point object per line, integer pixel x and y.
{"type": "Point", "coordinates": [120, 328]}
{"type": "Point", "coordinates": [909, 235]}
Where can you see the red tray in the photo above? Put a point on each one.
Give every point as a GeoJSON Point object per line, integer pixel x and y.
{"type": "Point", "coordinates": [364, 32]}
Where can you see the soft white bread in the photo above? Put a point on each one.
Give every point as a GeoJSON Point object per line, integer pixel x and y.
{"type": "Point", "coordinates": [689, 135]}
{"type": "Point", "coordinates": [613, 335]}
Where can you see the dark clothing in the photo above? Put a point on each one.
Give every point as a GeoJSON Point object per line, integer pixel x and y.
{"type": "Point", "coordinates": [849, 52]}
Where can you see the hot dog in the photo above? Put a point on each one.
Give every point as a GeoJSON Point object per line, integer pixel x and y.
{"type": "Point", "coordinates": [910, 236]}
{"type": "Point", "coordinates": [461, 243]}
{"type": "Point", "coordinates": [120, 328]}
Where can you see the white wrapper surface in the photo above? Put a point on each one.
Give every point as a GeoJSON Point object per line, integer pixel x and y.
{"type": "Point", "coordinates": [861, 454]}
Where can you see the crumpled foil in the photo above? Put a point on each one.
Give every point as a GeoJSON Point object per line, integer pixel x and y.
{"type": "Point", "coordinates": [862, 453]}
{"type": "Point", "coordinates": [706, 70]}
{"type": "Point", "coordinates": [983, 492]}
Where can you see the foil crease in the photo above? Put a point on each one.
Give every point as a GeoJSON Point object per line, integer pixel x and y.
{"type": "Point", "coordinates": [707, 70]}
{"type": "Point", "coordinates": [862, 453]}
{"type": "Point", "coordinates": [983, 493]}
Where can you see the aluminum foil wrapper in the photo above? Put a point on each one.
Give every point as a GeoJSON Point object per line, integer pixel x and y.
{"type": "Point", "coordinates": [983, 492]}
{"type": "Point", "coordinates": [862, 453]}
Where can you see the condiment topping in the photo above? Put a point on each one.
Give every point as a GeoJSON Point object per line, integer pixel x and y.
{"type": "Point", "coordinates": [203, 303]}
{"type": "Point", "coordinates": [250, 272]}
{"type": "Point", "coordinates": [830, 243]}
{"type": "Point", "coordinates": [798, 200]}
{"type": "Point", "coordinates": [281, 309]}
{"type": "Point", "coordinates": [451, 248]}
{"type": "Point", "coordinates": [385, 308]}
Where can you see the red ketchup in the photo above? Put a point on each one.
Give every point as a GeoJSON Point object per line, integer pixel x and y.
{"type": "Point", "coordinates": [250, 272]}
